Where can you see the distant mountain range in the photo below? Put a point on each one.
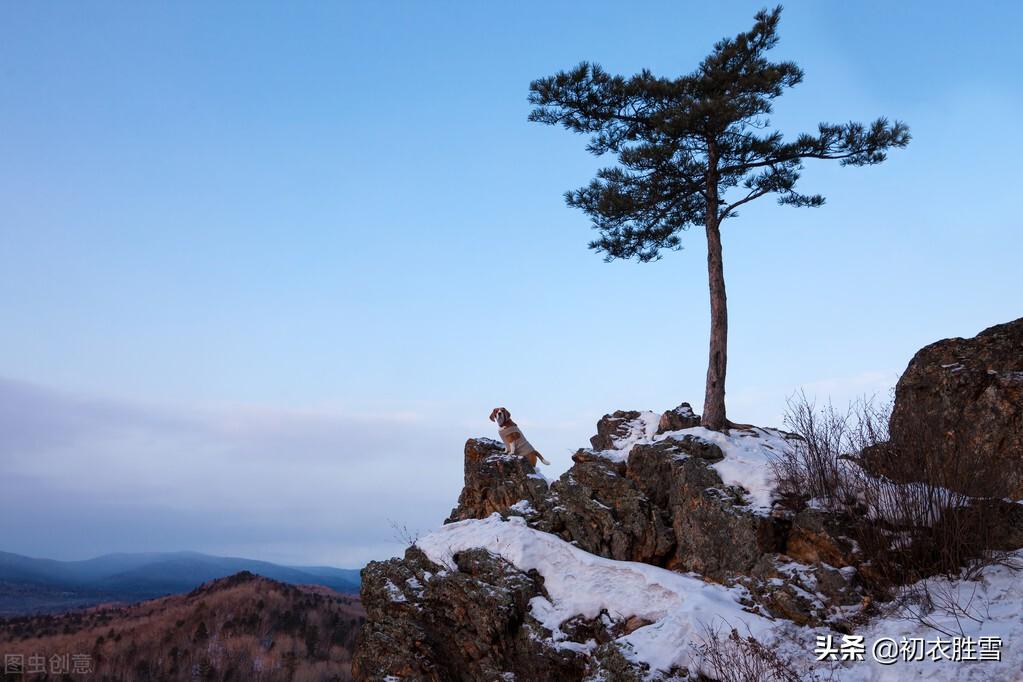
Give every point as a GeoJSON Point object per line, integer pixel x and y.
{"type": "Point", "coordinates": [29, 585]}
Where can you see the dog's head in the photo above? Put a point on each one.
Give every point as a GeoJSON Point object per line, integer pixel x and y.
{"type": "Point", "coordinates": [500, 415]}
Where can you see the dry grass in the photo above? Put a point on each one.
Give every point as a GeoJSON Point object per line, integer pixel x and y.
{"type": "Point", "coordinates": [913, 515]}
{"type": "Point", "coordinates": [737, 658]}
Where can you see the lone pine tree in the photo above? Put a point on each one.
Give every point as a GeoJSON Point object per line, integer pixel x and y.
{"type": "Point", "coordinates": [692, 150]}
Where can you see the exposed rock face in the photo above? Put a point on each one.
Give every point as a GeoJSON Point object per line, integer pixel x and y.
{"type": "Point", "coordinates": [714, 533]}
{"type": "Point", "coordinates": [969, 394]}
{"type": "Point", "coordinates": [426, 623]}
{"type": "Point", "coordinates": [676, 419]}
{"type": "Point", "coordinates": [605, 513]}
{"type": "Point", "coordinates": [495, 481]}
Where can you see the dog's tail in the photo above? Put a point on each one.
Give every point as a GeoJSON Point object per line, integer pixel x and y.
{"type": "Point", "coordinates": [540, 457]}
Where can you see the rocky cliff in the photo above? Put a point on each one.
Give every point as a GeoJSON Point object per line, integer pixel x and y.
{"type": "Point", "coordinates": [684, 499]}
{"type": "Point", "coordinates": [660, 532]}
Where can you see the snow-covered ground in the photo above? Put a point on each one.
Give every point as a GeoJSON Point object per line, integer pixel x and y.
{"type": "Point", "coordinates": [683, 606]}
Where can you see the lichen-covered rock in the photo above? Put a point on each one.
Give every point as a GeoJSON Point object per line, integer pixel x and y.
{"type": "Point", "coordinates": [694, 446]}
{"type": "Point", "coordinates": [965, 397]}
{"type": "Point", "coordinates": [591, 455]}
{"type": "Point", "coordinates": [497, 482]}
{"type": "Point", "coordinates": [678, 418]}
{"type": "Point", "coordinates": [427, 623]}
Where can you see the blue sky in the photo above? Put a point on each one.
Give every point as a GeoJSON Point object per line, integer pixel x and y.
{"type": "Point", "coordinates": [263, 269]}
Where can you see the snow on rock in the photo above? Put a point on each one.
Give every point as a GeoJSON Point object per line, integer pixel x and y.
{"type": "Point", "coordinates": [580, 583]}
{"type": "Point", "coordinates": [641, 429]}
{"type": "Point", "coordinates": [681, 608]}
{"type": "Point", "coordinates": [748, 455]}
{"type": "Point", "coordinates": [522, 507]}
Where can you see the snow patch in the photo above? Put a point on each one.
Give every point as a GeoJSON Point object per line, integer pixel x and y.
{"type": "Point", "coordinates": [748, 455]}
{"type": "Point", "coordinates": [522, 507]}
{"type": "Point", "coordinates": [394, 593]}
{"type": "Point", "coordinates": [640, 430]}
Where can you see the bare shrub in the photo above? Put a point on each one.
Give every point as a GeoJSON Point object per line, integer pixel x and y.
{"type": "Point", "coordinates": [737, 658]}
{"type": "Point", "coordinates": [912, 513]}
{"type": "Point", "coordinates": [403, 534]}
{"type": "Point", "coordinates": [817, 469]}
{"type": "Point", "coordinates": [922, 600]}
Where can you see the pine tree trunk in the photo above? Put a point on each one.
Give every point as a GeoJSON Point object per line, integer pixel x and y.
{"type": "Point", "coordinates": [714, 398]}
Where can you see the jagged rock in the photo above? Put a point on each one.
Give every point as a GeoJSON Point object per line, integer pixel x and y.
{"type": "Point", "coordinates": [678, 418]}
{"type": "Point", "coordinates": [614, 427]}
{"type": "Point", "coordinates": [604, 513]}
{"type": "Point", "coordinates": [715, 533]}
{"type": "Point", "coordinates": [496, 481]}
{"type": "Point", "coordinates": [581, 629]}
{"type": "Point", "coordinates": [968, 395]}
{"type": "Point", "coordinates": [663, 505]}
{"type": "Point", "coordinates": [428, 623]}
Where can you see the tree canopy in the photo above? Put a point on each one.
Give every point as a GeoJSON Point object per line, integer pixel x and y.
{"type": "Point", "coordinates": [675, 137]}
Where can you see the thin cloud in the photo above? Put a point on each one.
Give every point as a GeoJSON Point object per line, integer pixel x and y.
{"type": "Point", "coordinates": [100, 475]}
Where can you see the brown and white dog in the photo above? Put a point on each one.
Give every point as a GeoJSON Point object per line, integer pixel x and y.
{"type": "Point", "coordinates": [514, 441]}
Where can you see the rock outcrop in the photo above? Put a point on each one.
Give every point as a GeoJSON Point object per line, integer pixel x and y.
{"type": "Point", "coordinates": [428, 623]}
{"type": "Point", "coordinates": [661, 490]}
{"type": "Point", "coordinates": [663, 504]}
{"type": "Point", "coordinates": [715, 533]}
{"type": "Point", "coordinates": [964, 397]}
{"type": "Point", "coordinates": [496, 481]}
{"type": "Point", "coordinates": [678, 418]}
{"type": "Point", "coordinates": [604, 512]}
{"type": "Point", "coordinates": [635, 495]}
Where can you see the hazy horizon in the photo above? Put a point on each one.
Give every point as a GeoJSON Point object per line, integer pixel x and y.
{"type": "Point", "coordinates": [263, 272]}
